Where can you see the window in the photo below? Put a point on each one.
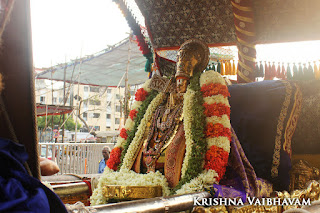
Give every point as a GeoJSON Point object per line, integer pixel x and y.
{"type": "Point", "coordinates": [109, 91]}
{"type": "Point", "coordinates": [97, 128]}
{"type": "Point", "coordinates": [85, 115]}
{"type": "Point", "coordinates": [95, 102]}
{"type": "Point", "coordinates": [108, 116]}
{"type": "Point", "coordinates": [42, 99]}
{"type": "Point", "coordinates": [86, 89]}
{"type": "Point", "coordinates": [54, 101]}
{"type": "Point", "coordinates": [117, 96]}
{"type": "Point", "coordinates": [61, 100]}
{"type": "Point", "coordinates": [117, 121]}
{"type": "Point", "coordinates": [132, 93]}
{"type": "Point", "coordinates": [118, 108]}
{"type": "Point", "coordinates": [94, 89]}
{"type": "Point", "coordinates": [94, 115]}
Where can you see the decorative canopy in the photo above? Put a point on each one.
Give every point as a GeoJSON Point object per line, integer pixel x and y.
{"type": "Point", "coordinates": [170, 23]}
{"type": "Point", "coordinates": [43, 110]}
{"type": "Point", "coordinates": [105, 68]}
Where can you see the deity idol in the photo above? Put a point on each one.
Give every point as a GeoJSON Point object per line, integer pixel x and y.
{"type": "Point", "coordinates": [178, 137]}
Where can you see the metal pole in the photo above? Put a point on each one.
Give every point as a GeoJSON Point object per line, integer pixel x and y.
{"type": "Point", "coordinates": [126, 84]}
{"type": "Point", "coordinates": [174, 203]}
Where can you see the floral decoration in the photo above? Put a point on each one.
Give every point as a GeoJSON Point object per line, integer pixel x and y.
{"type": "Point", "coordinates": [141, 94]}
{"type": "Point", "coordinates": [114, 159]}
{"type": "Point", "coordinates": [214, 89]}
{"type": "Point", "coordinates": [216, 110]}
{"type": "Point", "coordinates": [133, 114]}
{"type": "Point", "coordinates": [217, 160]}
{"type": "Point", "coordinates": [123, 133]}
{"type": "Point", "coordinates": [216, 130]}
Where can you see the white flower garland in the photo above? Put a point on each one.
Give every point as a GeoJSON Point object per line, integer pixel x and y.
{"type": "Point", "coordinates": [137, 140]}
{"type": "Point", "coordinates": [211, 77]}
{"type": "Point", "coordinates": [187, 124]}
{"type": "Point", "coordinates": [129, 122]}
{"type": "Point", "coordinates": [198, 184]}
{"type": "Point", "coordinates": [127, 178]}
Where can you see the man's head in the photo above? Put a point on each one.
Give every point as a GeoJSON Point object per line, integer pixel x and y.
{"type": "Point", "coordinates": [106, 152]}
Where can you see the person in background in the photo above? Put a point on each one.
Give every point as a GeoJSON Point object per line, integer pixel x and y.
{"type": "Point", "coordinates": [48, 167]}
{"type": "Point", "coordinates": [105, 154]}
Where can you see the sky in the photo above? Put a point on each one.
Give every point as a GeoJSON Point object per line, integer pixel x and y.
{"type": "Point", "coordinates": [70, 29]}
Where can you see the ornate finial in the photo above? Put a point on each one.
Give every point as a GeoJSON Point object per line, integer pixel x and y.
{"type": "Point", "coordinates": [301, 174]}
{"type": "Point", "coordinates": [193, 56]}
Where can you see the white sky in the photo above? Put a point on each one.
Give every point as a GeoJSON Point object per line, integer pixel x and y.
{"type": "Point", "coordinates": [68, 29]}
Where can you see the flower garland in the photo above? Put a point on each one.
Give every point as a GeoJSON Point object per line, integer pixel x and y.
{"type": "Point", "coordinates": [217, 136]}
{"type": "Point", "coordinates": [218, 127]}
{"type": "Point", "coordinates": [128, 159]}
{"type": "Point", "coordinates": [194, 119]}
{"type": "Point", "coordinates": [141, 95]}
{"type": "Point", "coordinates": [128, 178]}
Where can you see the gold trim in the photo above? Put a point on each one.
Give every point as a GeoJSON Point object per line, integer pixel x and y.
{"type": "Point", "coordinates": [247, 9]}
{"type": "Point", "coordinates": [244, 77]}
{"type": "Point", "coordinates": [245, 43]}
{"type": "Point", "coordinates": [292, 121]}
{"type": "Point", "coordinates": [245, 32]}
{"type": "Point", "coordinates": [247, 57]}
{"type": "Point", "coordinates": [282, 116]}
{"type": "Point", "coordinates": [245, 66]}
{"type": "Point", "coordinates": [242, 18]}
{"type": "Point", "coordinates": [118, 192]}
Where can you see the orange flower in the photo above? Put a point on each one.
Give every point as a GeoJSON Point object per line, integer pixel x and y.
{"type": "Point", "coordinates": [216, 109]}
{"type": "Point", "coordinates": [217, 160]}
{"type": "Point", "coordinates": [141, 95]}
{"type": "Point", "coordinates": [114, 159]}
{"type": "Point", "coordinates": [123, 133]}
{"type": "Point", "coordinates": [133, 114]}
{"type": "Point", "coordinates": [217, 130]}
{"type": "Point", "coordinates": [214, 89]}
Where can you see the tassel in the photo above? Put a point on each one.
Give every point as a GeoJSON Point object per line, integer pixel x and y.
{"type": "Point", "coordinates": [289, 75]}
{"type": "Point", "coordinates": [316, 70]}
{"type": "Point", "coordinates": [310, 72]}
{"type": "Point", "coordinates": [223, 71]}
{"type": "Point", "coordinates": [219, 67]}
{"type": "Point", "coordinates": [261, 70]}
{"type": "Point", "coordinates": [273, 71]}
{"type": "Point", "coordinates": [278, 71]}
{"type": "Point", "coordinates": [295, 72]}
{"type": "Point", "coordinates": [300, 72]}
{"type": "Point", "coordinates": [234, 68]}
{"type": "Point", "coordinates": [283, 72]}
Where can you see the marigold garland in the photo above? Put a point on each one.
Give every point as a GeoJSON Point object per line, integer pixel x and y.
{"type": "Point", "coordinates": [214, 89]}
{"type": "Point", "coordinates": [141, 94]}
{"type": "Point", "coordinates": [133, 114]}
{"type": "Point", "coordinates": [217, 130]}
{"type": "Point", "coordinates": [123, 133]}
{"type": "Point", "coordinates": [216, 110]}
{"type": "Point", "coordinates": [114, 159]}
{"type": "Point", "coordinates": [217, 160]}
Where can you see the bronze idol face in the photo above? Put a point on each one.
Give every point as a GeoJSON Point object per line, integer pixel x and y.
{"type": "Point", "coordinates": [182, 85]}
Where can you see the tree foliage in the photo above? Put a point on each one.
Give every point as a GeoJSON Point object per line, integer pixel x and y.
{"type": "Point", "coordinates": [69, 124]}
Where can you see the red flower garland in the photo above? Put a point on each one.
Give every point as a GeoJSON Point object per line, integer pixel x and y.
{"type": "Point", "coordinates": [216, 130]}
{"type": "Point", "coordinates": [123, 133]}
{"type": "Point", "coordinates": [214, 89]}
{"type": "Point", "coordinates": [216, 109]}
{"type": "Point", "coordinates": [133, 114]}
{"type": "Point", "coordinates": [114, 159]}
{"type": "Point", "coordinates": [217, 160]}
{"type": "Point", "coordinates": [141, 95]}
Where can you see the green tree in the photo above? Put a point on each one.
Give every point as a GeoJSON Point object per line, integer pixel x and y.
{"type": "Point", "coordinates": [69, 124]}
